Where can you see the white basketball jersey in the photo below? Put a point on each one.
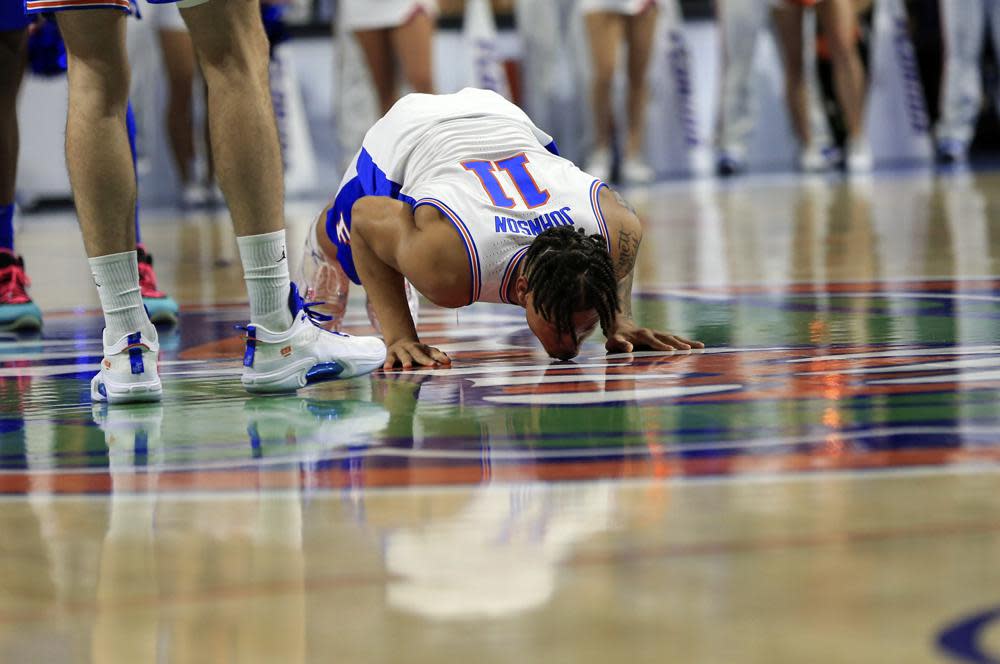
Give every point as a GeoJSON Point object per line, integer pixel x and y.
{"type": "Point", "coordinates": [480, 160]}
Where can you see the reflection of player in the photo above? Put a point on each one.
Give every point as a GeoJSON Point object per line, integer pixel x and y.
{"type": "Point", "coordinates": [464, 196]}
{"type": "Point", "coordinates": [391, 31]}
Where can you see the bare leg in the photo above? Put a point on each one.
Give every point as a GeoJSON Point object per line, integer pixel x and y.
{"type": "Point", "coordinates": [639, 33]}
{"type": "Point", "coordinates": [412, 43]}
{"type": "Point", "coordinates": [232, 50]}
{"type": "Point", "coordinates": [840, 24]}
{"type": "Point", "coordinates": [377, 48]}
{"type": "Point", "coordinates": [178, 58]}
{"type": "Point", "coordinates": [12, 59]}
{"type": "Point", "coordinates": [605, 31]}
{"type": "Point", "coordinates": [97, 149]}
{"type": "Point", "coordinates": [788, 22]}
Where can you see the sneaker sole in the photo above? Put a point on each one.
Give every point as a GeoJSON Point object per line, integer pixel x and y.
{"type": "Point", "coordinates": [22, 324]}
{"type": "Point", "coordinates": [296, 377]}
{"type": "Point", "coordinates": [121, 394]}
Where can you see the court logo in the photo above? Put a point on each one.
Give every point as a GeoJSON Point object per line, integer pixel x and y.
{"type": "Point", "coordinates": [963, 640]}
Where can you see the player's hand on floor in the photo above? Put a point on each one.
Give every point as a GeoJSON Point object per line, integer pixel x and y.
{"type": "Point", "coordinates": [628, 337]}
{"type": "Point", "coordinates": [409, 353]}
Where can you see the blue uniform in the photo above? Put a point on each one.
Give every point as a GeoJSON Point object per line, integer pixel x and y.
{"type": "Point", "coordinates": [12, 16]}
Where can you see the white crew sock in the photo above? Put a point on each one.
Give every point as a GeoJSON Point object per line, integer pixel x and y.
{"type": "Point", "coordinates": [117, 280]}
{"type": "Point", "coordinates": [265, 269]}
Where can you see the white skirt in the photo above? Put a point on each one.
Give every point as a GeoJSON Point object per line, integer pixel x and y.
{"type": "Point", "coordinates": [628, 7]}
{"type": "Point", "coordinates": [381, 14]}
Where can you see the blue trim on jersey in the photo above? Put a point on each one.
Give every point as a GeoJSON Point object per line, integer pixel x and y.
{"type": "Point", "coordinates": [471, 251]}
{"type": "Point", "coordinates": [553, 148]}
{"type": "Point", "coordinates": [370, 181]}
{"type": "Point", "coordinates": [595, 205]}
{"type": "Point", "coordinates": [12, 16]}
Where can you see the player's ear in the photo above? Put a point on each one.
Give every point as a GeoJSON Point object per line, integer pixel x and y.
{"type": "Point", "coordinates": [521, 289]}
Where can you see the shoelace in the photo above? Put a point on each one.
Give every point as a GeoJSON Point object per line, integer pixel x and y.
{"type": "Point", "coordinates": [13, 285]}
{"type": "Point", "coordinates": [315, 317]}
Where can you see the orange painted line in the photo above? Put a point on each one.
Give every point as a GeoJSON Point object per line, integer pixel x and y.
{"type": "Point", "coordinates": [75, 482]}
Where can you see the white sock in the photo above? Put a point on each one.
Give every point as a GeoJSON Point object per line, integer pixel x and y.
{"type": "Point", "coordinates": [265, 269]}
{"type": "Point", "coordinates": [117, 280]}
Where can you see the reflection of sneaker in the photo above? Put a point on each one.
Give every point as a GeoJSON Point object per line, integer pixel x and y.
{"type": "Point", "coordinates": [305, 353]}
{"type": "Point", "coordinates": [131, 434]}
{"type": "Point", "coordinates": [326, 424]}
{"type": "Point", "coordinates": [599, 164]}
{"type": "Point", "coordinates": [636, 171]}
{"type": "Point", "coordinates": [323, 280]}
{"type": "Point", "coordinates": [17, 311]}
{"type": "Point", "coordinates": [161, 307]}
{"type": "Point", "coordinates": [128, 371]}
{"type": "Point", "coordinates": [412, 303]}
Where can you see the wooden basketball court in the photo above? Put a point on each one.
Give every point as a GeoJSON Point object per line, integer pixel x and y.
{"type": "Point", "coordinates": [819, 485]}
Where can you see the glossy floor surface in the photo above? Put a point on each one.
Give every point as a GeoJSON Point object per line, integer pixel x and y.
{"type": "Point", "coordinates": [822, 484]}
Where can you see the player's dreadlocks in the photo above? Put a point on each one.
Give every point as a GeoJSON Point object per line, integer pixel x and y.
{"type": "Point", "coordinates": [569, 271]}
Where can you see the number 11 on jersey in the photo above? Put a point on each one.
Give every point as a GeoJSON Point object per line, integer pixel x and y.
{"type": "Point", "coordinates": [516, 168]}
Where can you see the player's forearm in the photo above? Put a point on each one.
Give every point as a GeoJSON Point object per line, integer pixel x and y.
{"type": "Point", "coordinates": [384, 286]}
{"type": "Point", "coordinates": [625, 297]}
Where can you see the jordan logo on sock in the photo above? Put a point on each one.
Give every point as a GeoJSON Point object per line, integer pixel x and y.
{"type": "Point", "coordinates": [282, 256]}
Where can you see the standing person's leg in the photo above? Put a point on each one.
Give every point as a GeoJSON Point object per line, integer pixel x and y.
{"type": "Point", "coordinates": [788, 26]}
{"type": "Point", "coordinates": [178, 61]}
{"type": "Point", "coordinates": [605, 31]}
{"type": "Point", "coordinates": [961, 86]}
{"type": "Point", "coordinates": [377, 47]}
{"type": "Point", "coordinates": [740, 25]}
{"type": "Point", "coordinates": [101, 171]}
{"type": "Point", "coordinates": [413, 43]}
{"type": "Point", "coordinates": [17, 311]}
{"type": "Point", "coordinates": [640, 31]}
{"type": "Point", "coordinates": [839, 22]}
{"type": "Point", "coordinates": [284, 349]}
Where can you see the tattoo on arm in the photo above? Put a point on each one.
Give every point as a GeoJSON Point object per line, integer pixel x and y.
{"type": "Point", "coordinates": [628, 250]}
{"type": "Point", "coordinates": [624, 203]}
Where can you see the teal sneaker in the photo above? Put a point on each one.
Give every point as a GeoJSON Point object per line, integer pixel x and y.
{"type": "Point", "coordinates": [17, 311]}
{"type": "Point", "coordinates": [161, 307]}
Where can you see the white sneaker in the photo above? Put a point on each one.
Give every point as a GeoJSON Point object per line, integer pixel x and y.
{"type": "Point", "coordinates": [859, 157]}
{"type": "Point", "coordinates": [599, 164]}
{"type": "Point", "coordinates": [128, 371]}
{"type": "Point", "coordinates": [412, 303]}
{"type": "Point", "coordinates": [323, 281]}
{"type": "Point", "coordinates": [813, 159]}
{"type": "Point", "coordinates": [636, 171]}
{"type": "Point", "coordinates": [305, 353]}
{"type": "Point", "coordinates": [193, 196]}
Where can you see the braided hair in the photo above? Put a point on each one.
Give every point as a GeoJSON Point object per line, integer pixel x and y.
{"type": "Point", "coordinates": [569, 271]}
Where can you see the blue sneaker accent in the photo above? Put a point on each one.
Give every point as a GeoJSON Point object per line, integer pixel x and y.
{"type": "Point", "coordinates": [102, 390]}
{"type": "Point", "coordinates": [322, 372]}
{"type": "Point", "coordinates": [135, 347]}
{"type": "Point", "coordinates": [296, 304]}
{"type": "Point", "coordinates": [251, 349]}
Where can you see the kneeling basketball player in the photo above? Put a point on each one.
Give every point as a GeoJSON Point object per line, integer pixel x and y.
{"type": "Point", "coordinates": [464, 199]}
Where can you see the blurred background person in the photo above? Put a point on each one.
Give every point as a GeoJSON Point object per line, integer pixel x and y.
{"type": "Point", "coordinates": [394, 35]}
{"type": "Point", "coordinates": [839, 25]}
{"type": "Point", "coordinates": [743, 24]}
{"type": "Point", "coordinates": [963, 23]}
{"type": "Point", "coordinates": [17, 311]}
{"type": "Point", "coordinates": [610, 23]}
{"type": "Point", "coordinates": [179, 66]}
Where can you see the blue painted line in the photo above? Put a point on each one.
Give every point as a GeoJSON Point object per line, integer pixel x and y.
{"type": "Point", "coordinates": [962, 639]}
